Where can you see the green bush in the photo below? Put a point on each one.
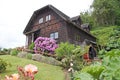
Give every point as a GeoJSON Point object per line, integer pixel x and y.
{"type": "Point", "coordinates": [31, 46]}
{"type": "Point", "coordinates": [3, 66]}
{"type": "Point", "coordinates": [64, 53]}
{"type": "Point", "coordinates": [92, 72]}
{"type": "Point", "coordinates": [111, 63]}
{"type": "Point", "coordinates": [67, 52]}
{"type": "Point", "coordinates": [64, 50]}
{"type": "Point", "coordinates": [14, 52]}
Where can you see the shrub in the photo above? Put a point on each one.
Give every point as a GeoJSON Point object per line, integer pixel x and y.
{"type": "Point", "coordinates": [3, 65]}
{"type": "Point", "coordinates": [64, 50]}
{"type": "Point", "coordinates": [45, 45]}
{"type": "Point", "coordinates": [31, 46]}
{"type": "Point", "coordinates": [14, 52]}
{"type": "Point", "coordinates": [92, 72]}
{"type": "Point", "coordinates": [111, 63]}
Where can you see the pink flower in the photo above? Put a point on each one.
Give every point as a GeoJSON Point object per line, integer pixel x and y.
{"type": "Point", "coordinates": [12, 77]}
{"type": "Point", "coordinates": [31, 69]}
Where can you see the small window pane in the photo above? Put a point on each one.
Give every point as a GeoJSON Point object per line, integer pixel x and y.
{"type": "Point", "coordinates": [56, 35]}
{"type": "Point", "coordinates": [52, 35]}
{"type": "Point", "coordinates": [40, 20]}
{"type": "Point", "coordinates": [49, 17]}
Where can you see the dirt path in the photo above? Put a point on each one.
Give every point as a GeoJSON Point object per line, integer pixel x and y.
{"type": "Point", "coordinates": [67, 76]}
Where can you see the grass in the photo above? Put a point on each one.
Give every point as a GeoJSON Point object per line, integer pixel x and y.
{"type": "Point", "coordinates": [45, 71]}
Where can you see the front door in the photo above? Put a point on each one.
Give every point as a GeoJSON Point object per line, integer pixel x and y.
{"type": "Point", "coordinates": [36, 34]}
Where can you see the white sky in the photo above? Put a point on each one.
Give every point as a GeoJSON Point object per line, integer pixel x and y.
{"type": "Point", "coordinates": [15, 14]}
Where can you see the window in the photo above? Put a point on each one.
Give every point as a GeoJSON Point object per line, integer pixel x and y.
{"type": "Point", "coordinates": [54, 35]}
{"type": "Point", "coordinates": [48, 17]}
{"type": "Point", "coordinates": [77, 37]}
{"type": "Point", "coordinates": [40, 20]}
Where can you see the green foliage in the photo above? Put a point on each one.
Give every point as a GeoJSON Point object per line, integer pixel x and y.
{"type": "Point", "coordinates": [87, 18]}
{"type": "Point", "coordinates": [103, 34]}
{"type": "Point", "coordinates": [106, 12]}
{"type": "Point", "coordinates": [101, 53]}
{"type": "Point", "coordinates": [94, 70]}
{"type": "Point", "coordinates": [77, 57]}
{"type": "Point", "coordinates": [108, 70]}
{"type": "Point", "coordinates": [64, 50]}
{"type": "Point", "coordinates": [83, 76]}
{"type": "Point", "coordinates": [14, 52]}
{"type": "Point", "coordinates": [111, 63]}
{"type": "Point", "coordinates": [67, 51]}
{"type": "Point", "coordinates": [3, 65]}
{"type": "Point", "coordinates": [114, 40]}
{"type": "Point", "coordinates": [31, 46]}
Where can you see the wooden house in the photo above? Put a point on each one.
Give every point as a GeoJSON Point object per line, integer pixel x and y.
{"type": "Point", "coordinates": [51, 22]}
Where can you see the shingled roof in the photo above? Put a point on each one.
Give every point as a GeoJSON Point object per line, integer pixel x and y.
{"type": "Point", "coordinates": [75, 18]}
{"type": "Point", "coordinates": [61, 14]}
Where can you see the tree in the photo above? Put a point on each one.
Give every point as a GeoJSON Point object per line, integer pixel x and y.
{"type": "Point", "coordinates": [105, 12]}
{"type": "Point", "coordinates": [87, 18]}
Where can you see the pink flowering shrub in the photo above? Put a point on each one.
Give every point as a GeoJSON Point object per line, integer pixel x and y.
{"type": "Point", "coordinates": [26, 73]}
{"type": "Point", "coordinates": [45, 44]}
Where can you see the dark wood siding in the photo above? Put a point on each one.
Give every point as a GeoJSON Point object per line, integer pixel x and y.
{"type": "Point", "coordinates": [77, 36]}
{"type": "Point", "coordinates": [56, 24]}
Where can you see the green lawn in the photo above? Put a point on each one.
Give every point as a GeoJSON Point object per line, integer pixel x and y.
{"type": "Point", "coordinates": [45, 71]}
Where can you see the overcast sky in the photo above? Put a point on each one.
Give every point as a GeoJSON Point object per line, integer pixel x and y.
{"type": "Point", "coordinates": [15, 14]}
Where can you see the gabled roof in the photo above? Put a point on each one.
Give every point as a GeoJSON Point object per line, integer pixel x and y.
{"type": "Point", "coordinates": [61, 14]}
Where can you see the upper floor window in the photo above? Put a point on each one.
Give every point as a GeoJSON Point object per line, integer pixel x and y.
{"type": "Point", "coordinates": [54, 35]}
{"type": "Point", "coordinates": [40, 20]}
{"type": "Point", "coordinates": [48, 17]}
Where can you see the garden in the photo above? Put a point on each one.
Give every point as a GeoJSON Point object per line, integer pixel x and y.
{"type": "Point", "coordinates": [64, 61]}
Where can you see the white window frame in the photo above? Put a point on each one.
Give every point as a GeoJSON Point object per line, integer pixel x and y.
{"type": "Point", "coordinates": [48, 17]}
{"type": "Point", "coordinates": [40, 20]}
{"type": "Point", "coordinates": [54, 35]}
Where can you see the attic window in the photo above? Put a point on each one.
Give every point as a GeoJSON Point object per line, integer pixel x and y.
{"type": "Point", "coordinates": [48, 17]}
{"type": "Point", "coordinates": [40, 20]}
